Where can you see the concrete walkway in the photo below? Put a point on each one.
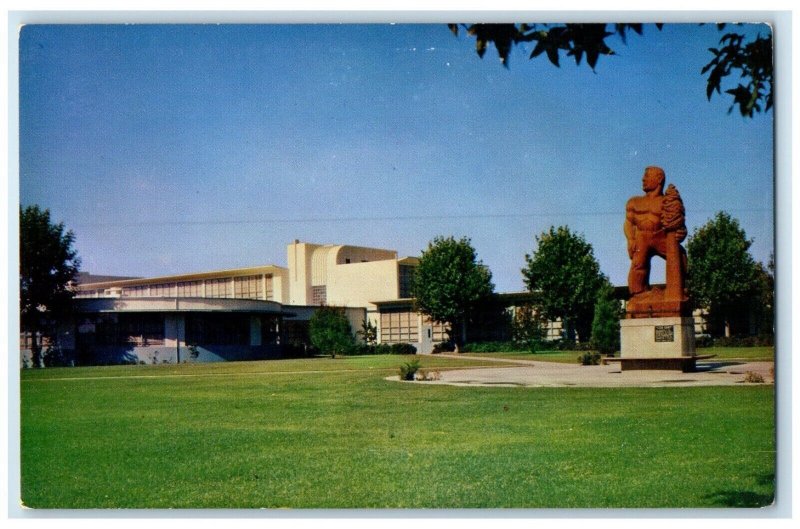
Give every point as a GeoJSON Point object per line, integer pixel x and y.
{"type": "Point", "coordinates": [531, 373]}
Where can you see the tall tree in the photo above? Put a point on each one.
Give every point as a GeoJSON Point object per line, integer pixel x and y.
{"type": "Point", "coordinates": [450, 282]}
{"type": "Point", "coordinates": [566, 276]}
{"type": "Point", "coordinates": [722, 276]}
{"type": "Point", "coordinates": [48, 265]}
{"type": "Point", "coordinates": [750, 58]}
{"type": "Point", "coordinates": [605, 324]}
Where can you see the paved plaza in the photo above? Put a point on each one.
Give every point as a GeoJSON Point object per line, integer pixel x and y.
{"type": "Point", "coordinates": [526, 373]}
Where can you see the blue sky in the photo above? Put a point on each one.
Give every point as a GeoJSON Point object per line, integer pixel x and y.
{"type": "Point", "coordinates": [171, 149]}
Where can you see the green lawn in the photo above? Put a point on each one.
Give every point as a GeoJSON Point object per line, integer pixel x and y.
{"type": "Point", "coordinates": [328, 433]}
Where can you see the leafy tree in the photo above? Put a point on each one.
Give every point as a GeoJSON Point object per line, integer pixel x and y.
{"type": "Point", "coordinates": [605, 324]}
{"type": "Point", "coordinates": [722, 275]}
{"type": "Point", "coordinates": [527, 327]}
{"type": "Point", "coordinates": [329, 331]}
{"type": "Point", "coordinates": [752, 59]}
{"type": "Point", "coordinates": [754, 62]}
{"type": "Point", "coordinates": [368, 332]}
{"type": "Point", "coordinates": [566, 276]}
{"type": "Point", "coordinates": [765, 297]}
{"type": "Point", "coordinates": [48, 266]}
{"type": "Point", "coordinates": [450, 282]}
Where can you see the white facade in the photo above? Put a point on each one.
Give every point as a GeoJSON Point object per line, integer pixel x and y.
{"type": "Point", "coordinates": [345, 276]}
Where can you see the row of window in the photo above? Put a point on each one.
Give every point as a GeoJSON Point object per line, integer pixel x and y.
{"type": "Point", "coordinates": [399, 327]}
{"type": "Point", "coordinates": [148, 329]}
{"type": "Point", "coordinates": [403, 327]}
{"type": "Point", "coordinates": [247, 287]}
{"type": "Point", "coordinates": [123, 330]}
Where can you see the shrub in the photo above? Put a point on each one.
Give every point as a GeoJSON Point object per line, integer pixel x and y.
{"type": "Point", "coordinates": [382, 349]}
{"type": "Point", "coordinates": [527, 328]}
{"type": "Point", "coordinates": [428, 376]}
{"type": "Point", "coordinates": [368, 332]}
{"type": "Point", "coordinates": [605, 324]}
{"type": "Point", "coordinates": [409, 369]}
{"type": "Point", "coordinates": [402, 349]}
{"type": "Point", "coordinates": [752, 377]}
{"type": "Point", "coordinates": [703, 340]}
{"type": "Point", "coordinates": [589, 359]}
{"type": "Point", "coordinates": [444, 347]}
{"type": "Point", "coordinates": [361, 349]}
{"type": "Point", "coordinates": [761, 340]}
{"type": "Point", "coordinates": [57, 357]}
{"type": "Point", "coordinates": [329, 331]}
{"type": "Point", "coordinates": [569, 345]}
{"type": "Point", "coordinates": [495, 347]}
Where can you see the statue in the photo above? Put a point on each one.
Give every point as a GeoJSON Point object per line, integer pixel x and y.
{"type": "Point", "coordinates": [655, 225]}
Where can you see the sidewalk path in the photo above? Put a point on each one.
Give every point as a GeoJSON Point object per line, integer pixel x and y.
{"type": "Point", "coordinates": [531, 373]}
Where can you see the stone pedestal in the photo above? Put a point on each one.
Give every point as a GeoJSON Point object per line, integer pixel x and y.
{"type": "Point", "coordinates": [666, 337]}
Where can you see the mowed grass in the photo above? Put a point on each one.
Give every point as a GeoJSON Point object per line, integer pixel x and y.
{"type": "Point", "coordinates": [328, 433]}
{"type": "Point", "coordinates": [748, 354]}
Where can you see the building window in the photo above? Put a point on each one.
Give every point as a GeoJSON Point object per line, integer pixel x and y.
{"type": "Point", "coordinates": [165, 290]}
{"type": "Point", "coordinates": [248, 287]}
{"type": "Point", "coordinates": [218, 329]}
{"type": "Point", "coordinates": [399, 327]}
{"type": "Point", "coordinates": [218, 288]}
{"type": "Point", "coordinates": [136, 292]}
{"type": "Point", "coordinates": [190, 289]}
{"type": "Point", "coordinates": [319, 295]}
{"type": "Point", "coordinates": [270, 330]}
{"type": "Point", "coordinates": [440, 333]}
{"type": "Point", "coordinates": [406, 280]}
{"type": "Point", "coordinates": [139, 330]}
{"type": "Point", "coordinates": [268, 280]}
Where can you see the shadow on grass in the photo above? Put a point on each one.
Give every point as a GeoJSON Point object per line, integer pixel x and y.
{"type": "Point", "coordinates": [740, 498]}
{"type": "Point", "coordinates": [745, 498]}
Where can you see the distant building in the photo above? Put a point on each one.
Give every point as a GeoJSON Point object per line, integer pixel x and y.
{"type": "Point", "coordinates": [260, 312]}
{"type": "Point", "coordinates": [245, 313]}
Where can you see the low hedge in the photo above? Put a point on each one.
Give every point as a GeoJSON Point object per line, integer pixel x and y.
{"type": "Point", "coordinates": [762, 340]}
{"type": "Point", "coordinates": [382, 349]}
{"type": "Point", "coordinates": [517, 347]}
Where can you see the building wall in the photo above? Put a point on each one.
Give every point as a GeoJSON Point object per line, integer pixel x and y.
{"type": "Point", "coordinates": [280, 286]}
{"type": "Point", "coordinates": [358, 284]}
{"type": "Point", "coordinates": [340, 275]}
{"type": "Point", "coordinates": [298, 258]}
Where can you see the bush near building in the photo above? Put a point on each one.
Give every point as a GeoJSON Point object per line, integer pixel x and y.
{"type": "Point", "coordinates": [330, 332]}
{"type": "Point", "coordinates": [605, 324]}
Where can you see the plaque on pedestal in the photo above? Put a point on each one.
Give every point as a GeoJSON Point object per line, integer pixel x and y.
{"type": "Point", "coordinates": [657, 337]}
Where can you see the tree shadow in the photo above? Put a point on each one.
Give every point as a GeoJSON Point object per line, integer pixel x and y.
{"type": "Point", "coordinates": [745, 498]}
{"type": "Point", "coordinates": [740, 498]}
{"type": "Point", "coordinates": [711, 366]}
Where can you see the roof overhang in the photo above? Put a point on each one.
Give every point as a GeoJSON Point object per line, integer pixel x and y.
{"type": "Point", "coordinates": [218, 274]}
{"type": "Point", "coordinates": [97, 305]}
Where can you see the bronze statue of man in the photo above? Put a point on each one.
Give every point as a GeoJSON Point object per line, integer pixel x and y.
{"type": "Point", "coordinates": [655, 225]}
